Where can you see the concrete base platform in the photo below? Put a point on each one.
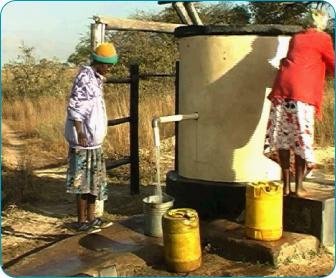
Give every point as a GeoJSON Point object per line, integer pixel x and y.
{"type": "Point", "coordinates": [228, 239]}
{"type": "Point", "coordinates": [115, 251]}
{"type": "Point", "coordinates": [210, 199]}
{"type": "Point", "coordinates": [123, 249]}
{"type": "Point", "coordinates": [314, 214]}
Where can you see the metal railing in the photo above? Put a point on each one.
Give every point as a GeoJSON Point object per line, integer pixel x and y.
{"type": "Point", "coordinates": [133, 119]}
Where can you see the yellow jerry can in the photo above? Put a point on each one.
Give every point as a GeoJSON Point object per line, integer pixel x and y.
{"type": "Point", "coordinates": [263, 212]}
{"type": "Point", "coordinates": [181, 239]}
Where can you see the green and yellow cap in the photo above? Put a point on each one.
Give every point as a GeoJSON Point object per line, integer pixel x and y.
{"type": "Point", "coordinates": [105, 53]}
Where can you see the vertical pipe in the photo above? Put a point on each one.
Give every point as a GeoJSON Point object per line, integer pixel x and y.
{"type": "Point", "coordinates": [177, 90]}
{"type": "Point", "coordinates": [192, 12]}
{"type": "Point", "coordinates": [182, 13]}
{"type": "Point", "coordinates": [134, 124]}
{"type": "Point", "coordinates": [97, 34]}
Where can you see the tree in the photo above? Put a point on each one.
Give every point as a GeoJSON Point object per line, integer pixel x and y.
{"type": "Point", "coordinates": [153, 50]}
{"type": "Point", "coordinates": [82, 51]}
{"type": "Point", "coordinates": [166, 15]}
{"type": "Point", "coordinates": [225, 13]}
{"type": "Point", "coordinates": [27, 77]}
{"type": "Point", "coordinates": [150, 50]}
{"type": "Point", "coordinates": [26, 57]}
{"type": "Point", "coordinates": [278, 12]}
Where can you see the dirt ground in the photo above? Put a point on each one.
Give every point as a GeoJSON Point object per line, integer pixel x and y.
{"type": "Point", "coordinates": [37, 220]}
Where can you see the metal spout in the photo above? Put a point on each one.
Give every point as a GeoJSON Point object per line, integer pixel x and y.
{"type": "Point", "coordinates": [167, 119]}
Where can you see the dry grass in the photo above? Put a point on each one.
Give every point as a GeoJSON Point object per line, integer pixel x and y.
{"type": "Point", "coordinates": [324, 130]}
{"type": "Point", "coordinates": [42, 119]}
{"type": "Point", "coordinates": [150, 105]}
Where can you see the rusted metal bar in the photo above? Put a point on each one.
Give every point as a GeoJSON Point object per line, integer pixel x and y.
{"type": "Point", "coordinates": [153, 75]}
{"type": "Point", "coordinates": [118, 81]}
{"type": "Point", "coordinates": [134, 129]}
{"type": "Point", "coordinates": [118, 121]}
{"type": "Point", "coordinates": [111, 164]}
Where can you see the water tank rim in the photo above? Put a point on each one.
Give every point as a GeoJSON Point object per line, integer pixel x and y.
{"type": "Point", "coordinates": [249, 29]}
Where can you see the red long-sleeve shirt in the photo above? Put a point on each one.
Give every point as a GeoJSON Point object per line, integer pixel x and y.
{"type": "Point", "coordinates": [302, 73]}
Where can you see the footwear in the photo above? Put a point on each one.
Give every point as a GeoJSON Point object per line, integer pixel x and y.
{"type": "Point", "coordinates": [99, 223]}
{"type": "Point", "coordinates": [87, 228]}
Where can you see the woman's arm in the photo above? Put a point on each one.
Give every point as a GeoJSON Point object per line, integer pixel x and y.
{"type": "Point", "coordinates": [80, 105]}
{"type": "Point", "coordinates": [328, 55]}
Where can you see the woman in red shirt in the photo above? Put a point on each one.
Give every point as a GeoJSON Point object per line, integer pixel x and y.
{"type": "Point", "coordinates": [296, 97]}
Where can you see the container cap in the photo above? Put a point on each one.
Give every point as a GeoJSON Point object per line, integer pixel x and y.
{"type": "Point", "coordinates": [267, 185]}
{"type": "Point", "coordinates": [182, 213]}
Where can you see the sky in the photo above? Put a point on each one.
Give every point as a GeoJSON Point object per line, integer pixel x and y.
{"type": "Point", "coordinates": [54, 28]}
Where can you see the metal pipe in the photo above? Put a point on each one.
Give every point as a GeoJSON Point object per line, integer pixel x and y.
{"type": "Point", "coordinates": [167, 119]}
{"type": "Point", "coordinates": [156, 136]}
{"type": "Point", "coordinates": [192, 12]}
{"type": "Point", "coordinates": [182, 13]}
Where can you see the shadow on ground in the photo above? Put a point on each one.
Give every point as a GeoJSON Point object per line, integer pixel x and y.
{"type": "Point", "coordinates": [44, 193]}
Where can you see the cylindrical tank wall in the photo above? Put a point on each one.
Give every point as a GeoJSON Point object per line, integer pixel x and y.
{"type": "Point", "coordinates": [225, 79]}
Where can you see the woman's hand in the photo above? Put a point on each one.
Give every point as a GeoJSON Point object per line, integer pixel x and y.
{"type": "Point", "coordinates": [82, 140]}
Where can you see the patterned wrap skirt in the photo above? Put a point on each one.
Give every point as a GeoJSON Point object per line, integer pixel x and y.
{"type": "Point", "coordinates": [86, 172]}
{"type": "Point", "coordinates": [291, 127]}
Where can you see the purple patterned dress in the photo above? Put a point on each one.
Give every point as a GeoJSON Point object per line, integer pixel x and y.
{"type": "Point", "coordinates": [86, 171]}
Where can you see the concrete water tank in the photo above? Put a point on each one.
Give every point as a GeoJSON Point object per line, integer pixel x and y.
{"type": "Point", "coordinates": [225, 75]}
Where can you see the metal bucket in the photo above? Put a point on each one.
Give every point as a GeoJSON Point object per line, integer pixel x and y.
{"type": "Point", "coordinates": [153, 211]}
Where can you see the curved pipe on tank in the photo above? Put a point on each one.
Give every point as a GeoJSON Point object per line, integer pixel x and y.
{"type": "Point", "coordinates": [167, 119]}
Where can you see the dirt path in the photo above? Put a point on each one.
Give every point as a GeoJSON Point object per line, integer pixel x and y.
{"type": "Point", "coordinates": [12, 148]}
{"type": "Point", "coordinates": [38, 221]}
{"type": "Point", "coordinates": [22, 230]}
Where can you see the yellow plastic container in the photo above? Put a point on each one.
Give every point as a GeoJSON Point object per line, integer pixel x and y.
{"type": "Point", "coordinates": [263, 212]}
{"type": "Point", "coordinates": [181, 239]}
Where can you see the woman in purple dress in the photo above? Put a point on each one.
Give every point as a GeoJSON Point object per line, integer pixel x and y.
{"type": "Point", "coordinates": [85, 130]}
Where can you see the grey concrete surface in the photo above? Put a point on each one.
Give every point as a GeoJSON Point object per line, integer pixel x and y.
{"type": "Point", "coordinates": [123, 250]}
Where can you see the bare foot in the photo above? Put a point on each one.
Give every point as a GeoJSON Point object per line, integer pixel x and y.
{"type": "Point", "coordinates": [286, 191]}
{"type": "Point", "coordinates": [301, 192]}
